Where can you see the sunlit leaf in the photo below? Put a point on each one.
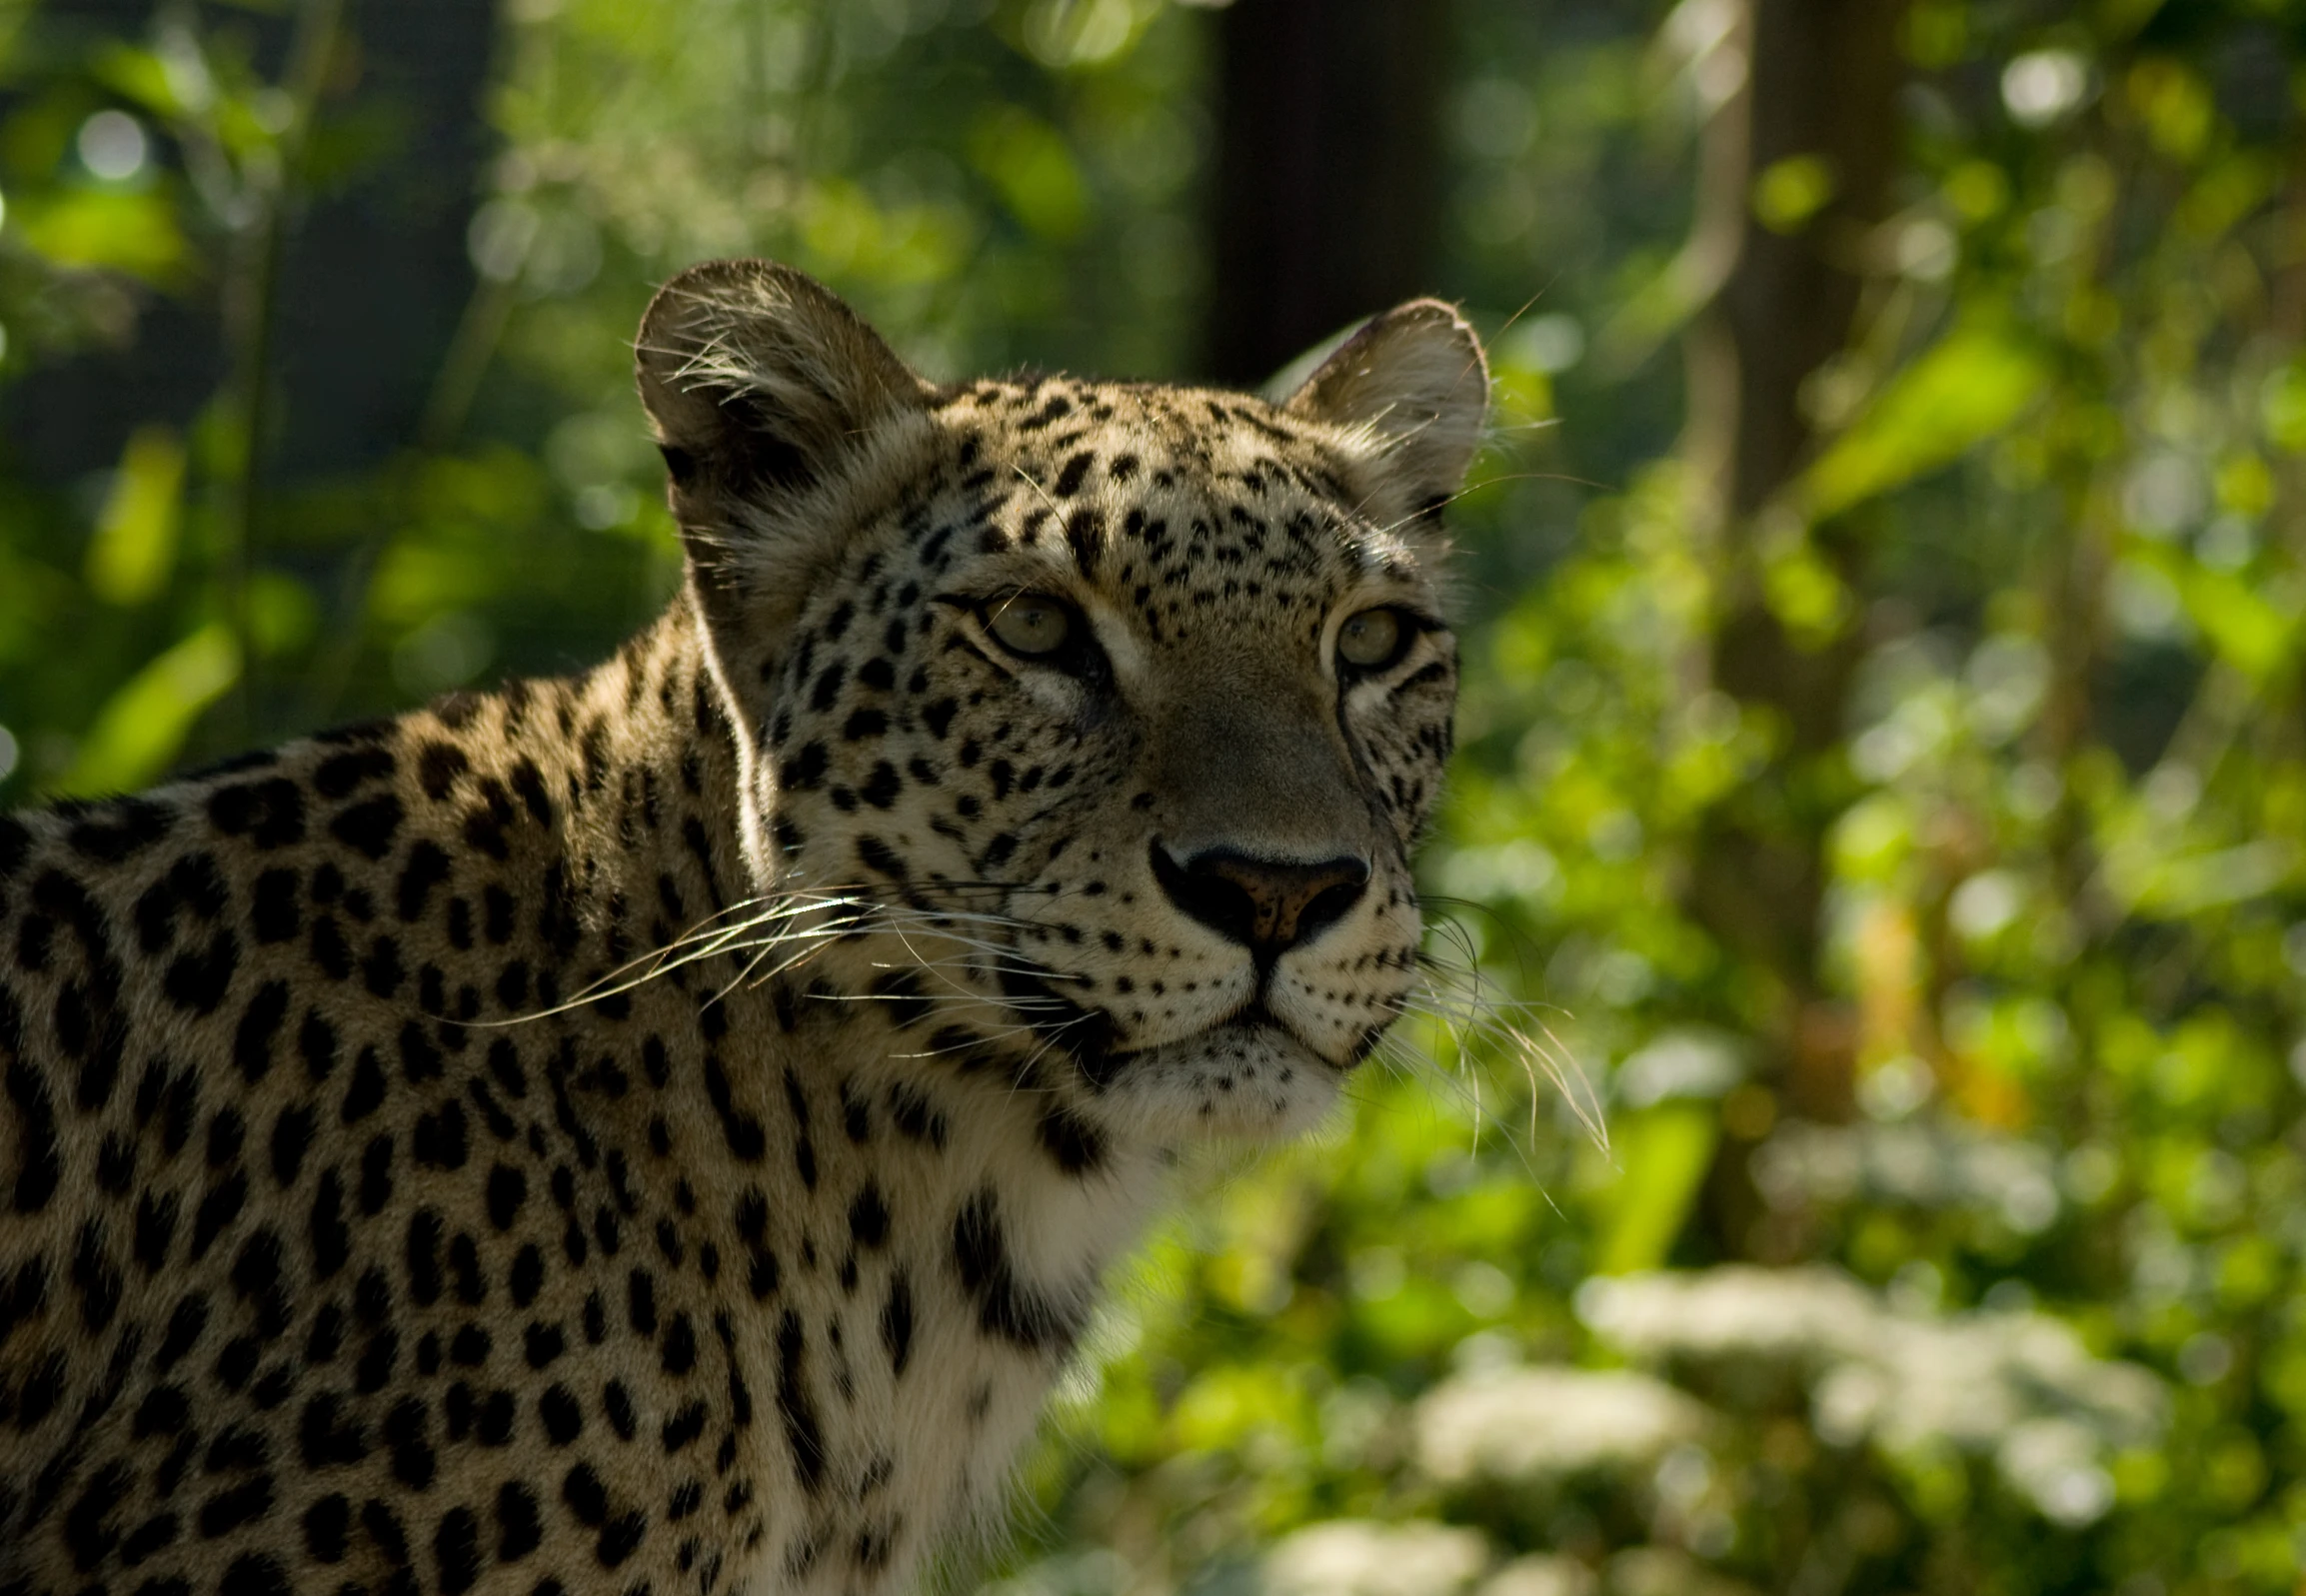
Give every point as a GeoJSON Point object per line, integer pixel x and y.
{"type": "Point", "coordinates": [1963, 390]}
{"type": "Point", "coordinates": [115, 230]}
{"type": "Point", "coordinates": [1033, 167]}
{"type": "Point", "coordinates": [1663, 1153]}
{"type": "Point", "coordinates": [134, 548]}
{"type": "Point", "coordinates": [1788, 193]}
{"type": "Point", "coordinates": [144, 724]}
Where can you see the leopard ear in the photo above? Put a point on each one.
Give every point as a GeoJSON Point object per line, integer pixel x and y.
{"type": "Point", "coordinates": [760, 382]}
{"type": "Point", "coordinates": [1414, 385]}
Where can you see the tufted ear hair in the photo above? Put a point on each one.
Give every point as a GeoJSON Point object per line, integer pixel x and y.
{"type": "Point", "coordinates": [760, 382]}
{"type": "Point", "coordinates": [1415, 383]}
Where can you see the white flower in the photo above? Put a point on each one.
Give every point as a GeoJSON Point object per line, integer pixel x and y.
{"type": "Point", "coordinates": [1794, 1316]}
{"type": "Point", "coordinates": [1358, 1557]}
{"type": "Point", "coordinates": [1541, 1575]}
{"type": "Point", "coordinates": [1527, 1426]}
{"type": "Point", "coordinates": [1663, 1571]}
{"type": "Point", "coordinates": [2020, 1387]}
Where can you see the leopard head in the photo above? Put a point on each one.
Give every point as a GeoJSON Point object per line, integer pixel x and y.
{"type": "Point", "coordinates": [1109, 714]}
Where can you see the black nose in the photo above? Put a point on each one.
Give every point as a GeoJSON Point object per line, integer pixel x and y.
{"type": "Point", "coordinates": [1266, 906]}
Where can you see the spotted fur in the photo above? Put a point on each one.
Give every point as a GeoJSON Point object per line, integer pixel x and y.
{"type": "Point", "coordinates": [661, 1130]}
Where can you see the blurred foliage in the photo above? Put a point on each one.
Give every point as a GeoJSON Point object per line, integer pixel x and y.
{"type": "Point", "coordinates": [2023, 1315]}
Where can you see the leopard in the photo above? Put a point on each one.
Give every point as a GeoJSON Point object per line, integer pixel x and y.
{"type": "Point", "coordinates": [667, 1128]}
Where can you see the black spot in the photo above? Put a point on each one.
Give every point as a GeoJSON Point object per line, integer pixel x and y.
{"type": "Point", "coordinates": [617, 1402]}
{"type": "Point", "coordinates": [119, 830]}
{"type": "Point", "coordinates": [364, 1096]}
{"type": "Point", "coordinates": [587, 1497]}
{"type": "Point", "coordinates": [420, 1059]}
{"type": "Point", "coordinates": [564, 1420]}
{"type": "Point", "coordinates": [897, 1322]}
{"type": "Point", "coordinates": [746, 1139]}
{"type": "Point", "coordinates": [340, 774]}
{"type": "Point", "coordinates": [197, 981]}
{"type": "Point", "coordinates": [882, 785]}
{"type": "Point", "coordinates": [87, 1529]}
{"type": "Point", "coordinates": [804, 771]}
{"type": "Point", "coordinates": [260, 1022]}
{"type": "Point", "coordinates": [253, 1574]}
{"type": "Point", "coordinates": [1006, 1306]}
{"type": "Point", "coordinates": [508, 1189]}
{"type": "Point", "coordinates": [376, 1174]}
{"type": "Point", "coordinates": [268, 812]}
{"type": "Point", "coordinates": [442, 1140]}
{"type": "Point", "coordinates": [185, 1326]}
{"type": "Point", "coordinates": [542, 1343]}
{"type": "Point", "coordinates": [148, 1539]}
{"type": "Point", "coordinates": [291, 1137]}
{"type": "Point", "coordinates": [683, 1428]}
{"type": "Point", "coordinates": [869, 1217]}
{"type": "Point", "coordinates": [438, 767]}
{"type": "Point", "coordinates": [235, 1505]}
{"type": "Point", "coordinates": [95, 1279]}
{"type": "Point", "coordinates": [864, 724]}
{"type": "Point", "coordinates": [1076, 1145]}
{"type": "Point", "coordinates": [326, 1526]}
{"type": "Point", "coordinates": [804, 1434]}
{"type": "Point", "coordinates": [527, 1277]}
{"type": "Point", "coordinates": [328, 949]}
{"type": "Point", "coordinates": [424, 1256]}
{"type": "Point", "coordinates": [316, 1043]}
{"type": "Point", "coordinates": [384, 1530]}
{"type": "Point", "coordinates": [679, 1352]}
{"type": "Point", "coordinates": [457, 1548]}
{"type": "Point", "coordinates": [331, 1236]}
{"type": "Point", "coordinates": [518, 1529]}
{"type": "Point", "coordinates": [427, 867]}
{"type": "Point", "coordinates": [368, 827]}
{"type": "Point", "coordinates": [38, 1148]}
{"type": "Point", "coordinates": [218, 1208]}
{"type": "Point", "coordinates": [257, 1280]}
{"type": "Point", "coordinates": [326, 1439]}
{"type": "Point", "coordinates": [405, 1430]}
{"type": "Point", "coordinates": [162, 1412]}
{"type": "Point", "coordinates": [620, 1539]}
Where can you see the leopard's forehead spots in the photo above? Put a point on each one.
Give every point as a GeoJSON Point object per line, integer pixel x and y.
{"type": "Point", "coordinates": [1187, 510]}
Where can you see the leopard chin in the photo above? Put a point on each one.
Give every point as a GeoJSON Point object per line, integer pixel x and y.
{"type": "Point", "coordinates": [1245, 1079]}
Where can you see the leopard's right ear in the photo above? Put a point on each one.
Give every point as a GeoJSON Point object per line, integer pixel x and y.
{"type": "Point", "coordinates": [760, 384]}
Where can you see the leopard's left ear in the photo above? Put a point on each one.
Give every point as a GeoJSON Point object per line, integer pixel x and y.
{"type": "Point", "coordinates": [1414, 382]}
{"type": "Point", "coordinates": [761, 384]}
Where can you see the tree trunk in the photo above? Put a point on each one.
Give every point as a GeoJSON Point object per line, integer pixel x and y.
{"type": "Point", "coordinates": [1327, 168]}
{"type": "Point", "coordinates": [1822, 84]}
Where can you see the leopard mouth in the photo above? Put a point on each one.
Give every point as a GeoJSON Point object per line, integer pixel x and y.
{"type": "Point", "coordinates": [1089, 1035]}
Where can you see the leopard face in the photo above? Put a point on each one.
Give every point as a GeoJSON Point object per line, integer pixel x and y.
{"type": "Point", "coordinates": [1136, 699]}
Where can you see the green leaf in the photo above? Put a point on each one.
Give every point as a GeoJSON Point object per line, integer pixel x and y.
{"type": "Point", "coordinates": [1663, 1153]}
{"type": "Point", "coordinates": [1788, 193]}
{"type": "Point", "coordinates": [145, 722]}
{"type": "Point", "coordinates": [113, 230]}
{"type": "Point", "coordinates": [135, 544]}
{"type": "Point", "coordinates": [1965, 389]}
{"type": "Point", "coordinates": [1033, 166]}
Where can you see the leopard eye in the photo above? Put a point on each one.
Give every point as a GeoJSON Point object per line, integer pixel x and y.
{"type": "Point", "coordinates": [1030, 624]}
{"type": "Point", "coordinates": [1373, 639]}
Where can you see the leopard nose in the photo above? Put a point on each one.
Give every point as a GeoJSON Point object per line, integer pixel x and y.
{"type": "Point", "coordinates": [1266, 906]}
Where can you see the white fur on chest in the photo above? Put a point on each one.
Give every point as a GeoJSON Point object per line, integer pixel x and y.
{"type": "Point", "coordinates": [933, 1281]}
